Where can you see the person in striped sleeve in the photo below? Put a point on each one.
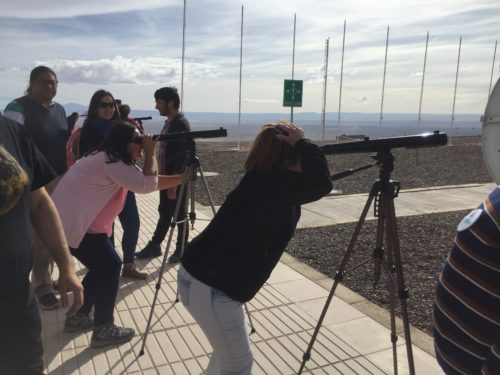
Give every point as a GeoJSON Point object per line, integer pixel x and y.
{"type": "Point", "coordinates": [466, 314]}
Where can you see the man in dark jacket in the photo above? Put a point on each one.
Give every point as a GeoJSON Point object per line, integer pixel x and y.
{"type": "Point", "coordinates": [171, 157]}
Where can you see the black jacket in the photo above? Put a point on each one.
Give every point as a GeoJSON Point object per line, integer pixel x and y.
{"type": "Point", "coordinates": [176, 150]}
{"type": "Point", "coordinates": [238, 250]}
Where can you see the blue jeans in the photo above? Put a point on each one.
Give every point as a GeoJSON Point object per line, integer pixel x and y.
{"type": "Point", "coordinates": [129, 218]}
{"type": "Point", "coordinates": [97, 253]}
{"type": "Point", "coordinates": [223, 321]}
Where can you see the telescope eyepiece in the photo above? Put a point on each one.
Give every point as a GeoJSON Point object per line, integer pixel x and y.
{"type": "Point", "coordinates": [138, 140]}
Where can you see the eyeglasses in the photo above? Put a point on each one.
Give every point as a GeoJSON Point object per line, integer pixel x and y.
{"type": "Point", "coordinates": [104, 105]}
{"type": "Point", "coordinates": [46, 82]}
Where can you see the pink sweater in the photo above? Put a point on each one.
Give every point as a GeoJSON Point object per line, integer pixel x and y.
{"type": "Point", "coordinates": [88, 186]}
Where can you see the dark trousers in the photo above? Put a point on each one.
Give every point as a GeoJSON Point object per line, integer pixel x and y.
{"type": "Point", "coordinates": [21, 350]}
{"type": "Point", "coordinates": [101, 282]}
{"type": "Point", "coordinates": [166, 209]}
{"type": "Point", "coordinates": [129, 218]}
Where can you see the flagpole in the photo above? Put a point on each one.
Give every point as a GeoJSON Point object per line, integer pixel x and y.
{"type": "Point", "coordinates": [423, 78]}
{"type": "Point", "coordinates": [492, 67]}
{"type": "Point", "coordinates": [341, 77]}
{"type": "Point", "coordinates": [293, 66]}
{"type": "Point", "coordinates": [383, 80]}
{"type": "Point", "coordinates": [241, 69]}
{"type": "Point", "coordinates": [325, 80]}
{"type": "Point", "coordinates": [183, 54]}
{"type": "Point", "coordinates": [455, 91]}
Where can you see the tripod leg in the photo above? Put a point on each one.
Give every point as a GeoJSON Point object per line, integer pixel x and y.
{"type": "Point", "coordinates": [391, 283]}
{"type": "Point", "coordinates": [378, 252]}
{"type": "Point", "coordinates": [338, 277]}
{"type": "Point", "coordinates": [205, 185]}
{"type": "Point", "coordinates": [182, 191]}
{"type": "Point", "coordinates": [252, 329]}
{"type": "Point", "coordinates": [393, 242]}
{"type": "Point", "coordinates": [185, 223]}
{"type": "Point", "coordinates": [186, 219]}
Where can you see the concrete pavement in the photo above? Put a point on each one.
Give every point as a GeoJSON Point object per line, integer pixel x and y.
{"type": "Point", "coordinates": [353, 339]}
{"type": "Point", "coordinates": [337, 209]}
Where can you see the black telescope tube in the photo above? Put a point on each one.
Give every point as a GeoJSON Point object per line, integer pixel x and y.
{"type": "Point", "coordinates": [142, 118]}
{"type": "Point", "coordinates": [382, 144]}
{"type": "Point", "coordinates": [216, 133]}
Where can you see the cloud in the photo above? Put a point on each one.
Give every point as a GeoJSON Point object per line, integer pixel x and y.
{"type": "Point", "coordinates": [65, 9]}
{"type": "Point", "coordinates": [132, 44]}
{"type": "Point", "coordinates": [122, 70]}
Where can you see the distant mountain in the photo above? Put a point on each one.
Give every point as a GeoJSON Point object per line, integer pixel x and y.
{"type": "Point", "coordinates": [75, 107]}
{"type": "Point", "coordinates": [225, 117]}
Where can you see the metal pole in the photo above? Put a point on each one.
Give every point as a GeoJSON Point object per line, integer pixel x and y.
{"type": "Point", "coordinates": [383, 80]}
{"type": "Point", "coordinates": [492, 67]}
{"type": "Point", "coordinates": [293, 65]}
{"type": "Point", "coordinates": [423, 78]}
{"type": "Point", "coordinates": [455, 92]}
{"type": "Point", "coordinates": [341, 77]}
{"type": "Point", "coordinates": [325, 79]}
{"type": "Point", "coordinates": [183, 54]}
{"type": "Point", "coordinates": [241, 66]}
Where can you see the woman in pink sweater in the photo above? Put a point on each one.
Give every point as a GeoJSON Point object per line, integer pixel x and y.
{"type": "Point", "coordinates": [89, 198]}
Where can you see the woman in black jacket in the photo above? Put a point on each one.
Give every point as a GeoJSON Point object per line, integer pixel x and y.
{"type": "Point", "coordinates": [227, 264]}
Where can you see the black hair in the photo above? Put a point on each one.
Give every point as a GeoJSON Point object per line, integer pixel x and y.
{"type": "Point", "coordinates": [167, 94]}
{"type": "Point", "coordinates": [35, 73]}
{"type": "Point", "coordinates": [124, 111]}
{"type": "Point", "coordinates": [94, 105]}
{"type": "Point", "coordinates": [116, 142]}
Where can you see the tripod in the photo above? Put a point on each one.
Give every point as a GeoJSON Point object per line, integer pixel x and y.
{"type": "Point", "coordinates": [191, 166]}
{"type": "Point", "coordinates": [384, 191]}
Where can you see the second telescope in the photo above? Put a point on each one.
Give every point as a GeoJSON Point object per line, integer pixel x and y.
{"type": "Point", "coordinates": [382, 144]}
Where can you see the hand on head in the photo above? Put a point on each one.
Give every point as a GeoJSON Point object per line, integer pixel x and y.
{"type": "Point", "coordinates": [290, 133]}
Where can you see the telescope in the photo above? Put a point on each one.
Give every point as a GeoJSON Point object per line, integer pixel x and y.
{"type": "Point", "coordinates": [140, 119]}
{"type": "Point", "coordinates": [185, 136]}
{"type": "Point", "coordinates": [384, 144]}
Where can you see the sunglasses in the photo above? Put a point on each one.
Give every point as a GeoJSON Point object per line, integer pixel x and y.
{"type": "Point", "coordinates": [104, 105]}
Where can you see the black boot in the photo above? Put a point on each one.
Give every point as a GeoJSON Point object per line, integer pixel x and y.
{"type": "Point", "coordinates": [152, 250]}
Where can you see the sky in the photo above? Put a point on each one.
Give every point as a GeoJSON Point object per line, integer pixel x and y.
{"type": "Point", "coordinates": [132, 47]}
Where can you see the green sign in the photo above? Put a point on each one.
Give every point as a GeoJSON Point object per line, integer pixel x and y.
{"type": "Point", "coordinates": [292, 93]}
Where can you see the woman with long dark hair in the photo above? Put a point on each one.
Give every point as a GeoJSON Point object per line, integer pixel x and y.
{"type": "Point", "coordinates": [101, 117]}
{"type": "Point", "coordinates": [88, 198]}
{"type": "Point", "coordinates": [227, 264]}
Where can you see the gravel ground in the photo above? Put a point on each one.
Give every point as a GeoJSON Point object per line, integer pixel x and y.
{"type": "Point", "coordinates": [425, 240]}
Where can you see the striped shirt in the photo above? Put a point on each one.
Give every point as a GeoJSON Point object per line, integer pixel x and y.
{"type": "Point", "coordinates": [466, 313]}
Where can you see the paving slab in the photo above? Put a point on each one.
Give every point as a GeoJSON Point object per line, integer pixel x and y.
{"type": "Point", "coordinates": [333, 210]}
{"type": "Point", "coordinates": [285, 313]}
